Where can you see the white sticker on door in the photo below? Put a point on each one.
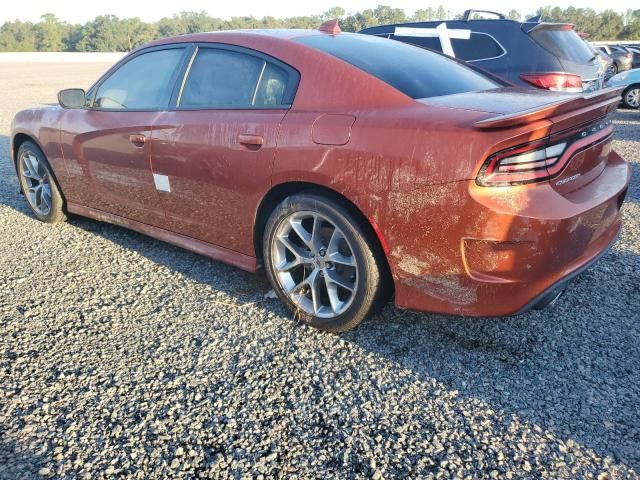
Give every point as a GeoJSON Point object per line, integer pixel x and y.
{"type": "Point", "coordinates": [162, 182]}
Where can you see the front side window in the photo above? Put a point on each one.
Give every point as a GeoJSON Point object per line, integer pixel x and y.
{"type": "Point", "coordinates": [144, 82]}
{"type": "Point", "coordinates": [221, 78]}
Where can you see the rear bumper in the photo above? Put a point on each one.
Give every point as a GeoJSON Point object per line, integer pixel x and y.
{"type": "Point", "coordinates": [509, 247]}
{"type": "Point", "coordinates": [560, 285]}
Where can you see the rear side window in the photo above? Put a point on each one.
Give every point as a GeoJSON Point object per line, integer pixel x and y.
{"type": "Point", "coordinates": [479, 46]}
{"type": "Point", "coordinates": [221, 78]}
{"type": "Point", "coordinates": [564, 44]}
{"type": "Point", "coordinates": [414, 71]}
{"type": "Point", "coordinates": [144, 82]}
{"type": "Point", "coordinates": [272, 86]}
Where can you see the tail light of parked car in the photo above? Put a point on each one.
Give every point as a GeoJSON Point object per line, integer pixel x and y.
{"type": "Point", "coordinates": [522, 164]}
{"type": "Point", "coordinates": [542, 159]}
{"type": "Point", "coordinates": [558, 82]}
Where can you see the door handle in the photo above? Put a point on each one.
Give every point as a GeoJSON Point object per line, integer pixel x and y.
{"type": "Point", "coordinates": [137, 140]}
{"type": "Point", "coordinates": [251, 140]}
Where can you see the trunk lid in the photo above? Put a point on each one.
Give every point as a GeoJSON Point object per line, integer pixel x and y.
{"type": "Point", "coordinates": [582, 122]}
{"type": "Point", "coordinates": [564, 110]}
{"type": "Point", "coordinates": [585, 157]}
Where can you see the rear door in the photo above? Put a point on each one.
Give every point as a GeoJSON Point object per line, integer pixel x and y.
{"type": "Point", "coordinates": [214, 152]}
{"type": "Point", "coordinates": [107, 144]}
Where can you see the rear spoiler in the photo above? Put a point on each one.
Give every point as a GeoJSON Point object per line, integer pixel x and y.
{"type": "Point", "coordinates": [546, 26]}
{"type": "Point", "coordinates": [599, 99]}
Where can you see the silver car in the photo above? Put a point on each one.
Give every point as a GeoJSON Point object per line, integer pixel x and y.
{"type": "Point", "coordinates": [631, 81]}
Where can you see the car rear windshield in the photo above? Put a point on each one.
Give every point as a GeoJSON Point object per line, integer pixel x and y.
{"type": "Point", "coordinates": [415, 71]}
{"type": "Point", "coordinates": [563, 43]}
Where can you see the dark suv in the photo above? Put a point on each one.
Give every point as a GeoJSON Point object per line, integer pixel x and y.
{"type": "Point", "coordinates": [530, 53]}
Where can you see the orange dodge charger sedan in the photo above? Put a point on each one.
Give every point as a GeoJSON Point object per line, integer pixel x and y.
{"type": "Point", "coordinates": [352, 168]}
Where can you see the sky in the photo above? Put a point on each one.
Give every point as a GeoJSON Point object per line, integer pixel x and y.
{"type": "Point", "coordinates": [73, 11]}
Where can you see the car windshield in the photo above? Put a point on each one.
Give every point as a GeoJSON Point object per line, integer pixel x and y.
{"type": "Point", "coordinates": [415, 71]}
{"type": "Point", "coordinates": [564, 43]}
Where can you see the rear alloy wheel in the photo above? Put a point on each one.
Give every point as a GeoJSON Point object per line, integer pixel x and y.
{"type": "Point", "coordinates": [38, 184]}
{"type": "Point", "coordinates": [631, 97]}
{"type": "Point", "coordinates": [611, 70]}
{"type": "Point", "coordinates": [321, 263]}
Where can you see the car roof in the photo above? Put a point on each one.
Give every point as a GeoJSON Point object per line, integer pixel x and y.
{"type": "Point", "coordinates": [222, 35]}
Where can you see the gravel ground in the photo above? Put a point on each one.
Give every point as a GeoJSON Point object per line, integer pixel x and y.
{"type": "Point", "coordinates": [121, 356]}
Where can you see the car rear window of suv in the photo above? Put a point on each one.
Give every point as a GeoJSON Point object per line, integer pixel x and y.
{"type": "Point", "coordinates": [564, 43]}
{"type": "Point", "coordinates": [416, 72]}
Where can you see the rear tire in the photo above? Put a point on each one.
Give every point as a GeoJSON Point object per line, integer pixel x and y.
{"type": "Point", "coordinates": [323, 263]}
{"type": "Point", "coordinates": [39, 186]}
{"type": "Point", "coordinates": [631, 96]}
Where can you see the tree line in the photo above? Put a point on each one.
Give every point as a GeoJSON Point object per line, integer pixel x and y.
{"type": "Point", "coordinates": [108, 33]}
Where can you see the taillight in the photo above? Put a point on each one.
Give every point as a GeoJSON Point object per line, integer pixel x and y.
{"type": "Point", "coordinates": [559, 82]}
{"type": "Point", "coordinates": [541, 160]}
{"type": "Point", "coordinates": [523, 164]}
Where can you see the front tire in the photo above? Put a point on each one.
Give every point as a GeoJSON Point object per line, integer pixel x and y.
{"type": "Point", "coordinates": [38, 184]}
{"type": "Point", "coordinates": [631, 96]}
{"type": "Point", "coordinates": [323, 263]}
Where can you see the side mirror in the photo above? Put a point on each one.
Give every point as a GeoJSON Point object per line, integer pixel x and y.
{"type": "Point", "coordinates": [71, 98]}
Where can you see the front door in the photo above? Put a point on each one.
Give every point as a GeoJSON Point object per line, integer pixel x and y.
{"type": "Point", "coordinates": [108, 144]}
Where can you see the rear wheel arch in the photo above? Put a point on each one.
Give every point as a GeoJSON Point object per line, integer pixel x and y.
{"type": "Point", "coordinates": [283, 190]}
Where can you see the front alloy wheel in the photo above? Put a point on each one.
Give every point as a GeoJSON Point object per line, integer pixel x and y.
{"type": "Point", "coordinates": [38, 184]}
{"type": "Point", "coordinates": [323, 262]}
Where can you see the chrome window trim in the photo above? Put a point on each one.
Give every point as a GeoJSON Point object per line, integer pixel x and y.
{"type": "Point", "coordinates": [255, 90]}
{"type": "Point", "coordinates": [186, 74]}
